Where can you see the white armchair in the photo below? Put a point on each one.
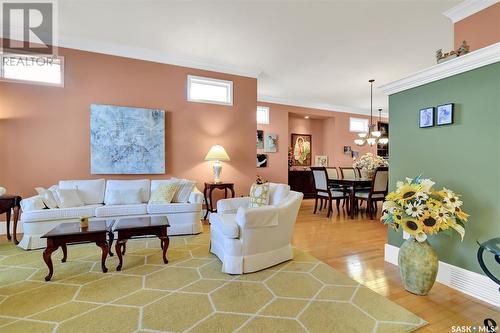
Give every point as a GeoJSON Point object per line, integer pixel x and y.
{"type": "Point", "coordinates": [250, 239]}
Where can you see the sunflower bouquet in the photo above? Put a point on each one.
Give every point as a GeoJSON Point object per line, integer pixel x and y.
{"type": "Point", "coordinates": [420, 210]}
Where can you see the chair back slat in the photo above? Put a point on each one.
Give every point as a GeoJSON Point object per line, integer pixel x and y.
{"type": "Point", "coordinates": [381, 180]}
{"type": "Point", "coordinates": [320, 178]}
{"type": "Point", "coordinates": [332, 173]}
{"type": "Point", "coordinates": [347, 172]}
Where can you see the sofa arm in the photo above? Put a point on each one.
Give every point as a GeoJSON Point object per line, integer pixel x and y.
{"type": "Point", "coordinates": [232, 204]}
{"type": "Point", "coordinates": [196, 197]}
{"type": "Point", "coordinates": [32, 203]}
{"type": "Point", "coordinates": [265, 216]}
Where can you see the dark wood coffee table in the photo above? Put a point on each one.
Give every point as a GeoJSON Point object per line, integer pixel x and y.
{"type": "Point", "coordinates": [135, 227]}
{"type": "Point", "coordinates": [71, 233]}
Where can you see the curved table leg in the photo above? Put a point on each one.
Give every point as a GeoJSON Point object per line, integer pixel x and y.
{"type": "Point", "coordinates": [165, 241]}
{"type": "Point", "coordinates": [104, 248]}
{"type": "Point", "coordinates": [111, 237]}
{"type": "Point", "coordinates": [8, 223]}
{"type": "Point", "coordinates": [118, 250]}
{"type": "Point", "coordinates": [16, 219]}
{"type": "Point", "coordinates": [206, 202]}
{"type": "Point", "coordinates": [210, 192]}
{"type": "Point", "coordinates": [65, 252]}
{"type": "Point", "coordinates": [47, 253]}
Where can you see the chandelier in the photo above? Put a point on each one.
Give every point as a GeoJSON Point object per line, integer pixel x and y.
{"type": "Point", "coordinates": [372, 137]}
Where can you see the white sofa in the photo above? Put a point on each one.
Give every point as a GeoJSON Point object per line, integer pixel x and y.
{"type": "Point", "coordinates": [184, 217]}
{"type": "Point", "coordinates": [250, 239]}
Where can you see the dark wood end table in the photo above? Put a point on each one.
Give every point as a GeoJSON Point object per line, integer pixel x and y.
{"type": "Point", "coordinates": [7, 204]}
{"type": "Point", "coordinates": [207, 193]}
{"type": "Point", "coordinates": [135, 227]}
{"type": "Point", "coordinates": [71, 233]}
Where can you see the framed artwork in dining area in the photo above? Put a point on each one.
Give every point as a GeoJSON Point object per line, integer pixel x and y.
{"type": "Point", "coordinates": [301, 149]}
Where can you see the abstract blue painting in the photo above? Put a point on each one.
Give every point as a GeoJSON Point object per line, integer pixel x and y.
{"type": "Point", "coordinates": [126, 140]}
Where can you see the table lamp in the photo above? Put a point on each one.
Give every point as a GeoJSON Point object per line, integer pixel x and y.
{"type": "Point", "coordinates": [217, 154]}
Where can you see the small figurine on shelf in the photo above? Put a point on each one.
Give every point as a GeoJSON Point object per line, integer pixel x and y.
{"type": "Point", "coordinates": [439, 54]}
{"type": "Point", "coordinates": [463, 49]}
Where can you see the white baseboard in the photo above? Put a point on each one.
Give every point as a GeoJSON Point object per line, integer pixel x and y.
{"type": "Point", "coordinates": [468, 282]}
{"type": "Point", "coordinates": [3, 227]}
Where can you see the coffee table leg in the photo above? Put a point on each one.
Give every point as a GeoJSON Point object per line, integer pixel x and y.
{"type": "Point", "coordinates": [111, 237]}
{"type": "Point", "coordinates": [65, 252]}
{"type": "Point", "coordinates": [124, 247]}
{"type": "Point", "coordinates": [8, 223]}
{"type": "Point", "coordinates": [165, 241]}
{"type": "Point", "coordinates": [47, 258]}
{"type": "Point", "coordinates": [104, 248]}
{"type": "Point", "coordinates": [118, 251]}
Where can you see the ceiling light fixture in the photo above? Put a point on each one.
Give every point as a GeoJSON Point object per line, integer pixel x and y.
{"type": "Point", "coordinates": [372, 136]}
{"type": "Point", "coordinates": [306, 117]}
{"type": "Point", "coordinates": [383, 140]}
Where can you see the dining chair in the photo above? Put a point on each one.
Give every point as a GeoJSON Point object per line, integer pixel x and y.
{"type": "Point", "coordinates": [377, 192]}
{"type": "Point", "coordinates": [324, 192]}
{"type": "Point", "coordinates": [347, 172]}
{"type": "Point", "coordinates": [332, 172]}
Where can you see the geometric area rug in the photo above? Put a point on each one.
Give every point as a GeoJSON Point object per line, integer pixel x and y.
{"type": "Point", "coordinates": [189, 294]}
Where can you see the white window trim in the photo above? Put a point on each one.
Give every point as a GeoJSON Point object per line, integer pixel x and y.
{"type": "Point", "coordinates": [215, 81]}
{"type": "Point", "coordinates": [267, 114]}
{"type": "Point", "coordinates": [358, 119]}
{"type": "Point", "coordinates": [2, 78]}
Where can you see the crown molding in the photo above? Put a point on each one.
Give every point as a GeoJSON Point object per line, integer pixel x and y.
{"type": "Point", "coordinates": [479, 58]}
{"type": "Point", "coordinates": [467, 8]}
{"type": "Point", "coordinates": [318, 106]}
{"type": "Point", "coordinates": [149, 55]}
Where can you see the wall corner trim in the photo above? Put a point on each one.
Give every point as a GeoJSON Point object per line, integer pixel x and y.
{"type": "Point", "coordinates": [465, 281]}
{"type": "Point", "coordinates": [467, 8]}
{"type": "Point", "coordinates": [479, 58]}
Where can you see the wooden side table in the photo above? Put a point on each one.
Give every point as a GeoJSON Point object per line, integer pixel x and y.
{"type": "Point", "coordinates": [8, 203]}
{"type": "Point", "coordinates": [207, 193]}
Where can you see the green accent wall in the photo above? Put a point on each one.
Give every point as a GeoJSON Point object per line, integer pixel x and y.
{"type": "Point", "coordinates": [464, 156]}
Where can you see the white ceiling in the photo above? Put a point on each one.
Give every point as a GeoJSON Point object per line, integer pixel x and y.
{"type": "Point", "coordinates": [318, 53]}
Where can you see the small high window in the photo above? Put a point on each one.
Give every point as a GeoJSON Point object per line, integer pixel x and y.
{"type": "Point", "coordinates": [207, 90]}
{"type": "Point", "coordinates": [32, 69]}
{"type": "Point", "coordinates": [358, 125]}
{"type": "Point", "coordinates": [262, 115]}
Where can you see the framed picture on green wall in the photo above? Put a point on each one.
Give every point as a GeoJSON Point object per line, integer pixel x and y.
{"type": "Point", "coordinates": [445, 114]}
{"type": "Point", "coordinates": [426, 117]}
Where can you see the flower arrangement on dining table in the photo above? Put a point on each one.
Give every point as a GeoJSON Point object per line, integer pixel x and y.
{"type": "Point", "coordinates": [368, 163]}
{"type": "Point", "coordinates": [421, 210]}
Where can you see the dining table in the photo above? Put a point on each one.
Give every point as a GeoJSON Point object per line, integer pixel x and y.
{"type": "Point", "coordinates": [352, 184]}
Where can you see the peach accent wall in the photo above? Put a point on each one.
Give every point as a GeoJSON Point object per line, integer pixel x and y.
{"type": "Point", "coordinates": [330, 133]}
{"type": "Point", "coordinates": [480, 29]}
{"type": "Point", "coordinates": [44, 131]}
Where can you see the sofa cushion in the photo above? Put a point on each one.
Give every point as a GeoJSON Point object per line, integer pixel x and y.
{"type": "Point", "coordinates": [120, 210]}
{"type": "Point", "coordinates": [226, 224]}
{"type": "Point", "coordinates": [142, 184]}
{"type": "Point", "coordinates": [58, 213]}
{"type": "Point", "coordinates": [68, 198]}
{"type": "Point", "coordinates": [157, 182]}
{"type": "Point", "coordinates": [163, 193]}
{"type": "Point", "coordinates": [278, 193]}
{"type": "Point", "coordinates": [131, 196]}
{"type": "Point", "coordinates": [184, 190]}
{"type": "Point", "coordinates": [48, 196]}
{"type": "Point", "coordinates": [259, 195]}
{"type": "Point", "coordinates": [32, 204]}
{"type": "Point", "coordinates": [91, 190]}
{"type": "Point", "coordinates": [154, 208]}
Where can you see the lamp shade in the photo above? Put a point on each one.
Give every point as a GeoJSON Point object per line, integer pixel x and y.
{"type": "Point", "coordinates": [217, 153]}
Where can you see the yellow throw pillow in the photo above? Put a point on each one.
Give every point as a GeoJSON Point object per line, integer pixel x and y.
{"type": "Point", "coordinates": [259, 195]}
{"type": "Point", "coordinates": [164, 193]}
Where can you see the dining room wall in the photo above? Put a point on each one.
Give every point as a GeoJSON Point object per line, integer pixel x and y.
{"type": "Point", "coordinates": [463, 156]}
{"type": "Point", "coordinates": [480, 29]}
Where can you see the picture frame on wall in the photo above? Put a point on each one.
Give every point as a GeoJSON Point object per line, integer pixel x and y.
{"type": "Point", "coordinates": [260, 139]}
{"type": "Point", "coordinates": [321, 161]}
{"type": "Point", "coordinates": [426, 117]}
{"type": "Point", "coordinates": [445, 114]}
{"type": "Point", "coordinates": [270, 143]}
{"type": "Point", "coordinates": [261, 160]}
{"type": "Point", "coordinates": [301, 149]}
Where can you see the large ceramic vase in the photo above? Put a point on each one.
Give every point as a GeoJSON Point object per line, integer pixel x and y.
{"type": "Point", "coordinates": [418, 265]}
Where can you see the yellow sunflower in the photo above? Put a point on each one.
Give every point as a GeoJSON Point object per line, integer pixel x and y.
{"type": "Point", "coordinates": [412, 226]}
{"type": "Point", "coordinates": [461, 215]}
{"type": "Point", "coordinates": [430, 225]}
{"type": "Point", "coordinates": [434, 204]}
{"type": "Point", "coordinates": [408, 192]}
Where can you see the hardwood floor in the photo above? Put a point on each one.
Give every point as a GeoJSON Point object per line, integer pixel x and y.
{"type": "Point", "coordinates": [356, 247]}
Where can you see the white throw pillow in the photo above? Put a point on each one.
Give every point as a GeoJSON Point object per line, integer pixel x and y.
{"type": "Point", "coordinates": [184, 190]}
{"type": "Point", "coordinates": [47, 197]}
{"type": "Point", "coordinates": [123, 196]}
{"type": "Point", "coordinates": [68, 198]}
{"type": "Point", "coordinates": [32, 203]}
